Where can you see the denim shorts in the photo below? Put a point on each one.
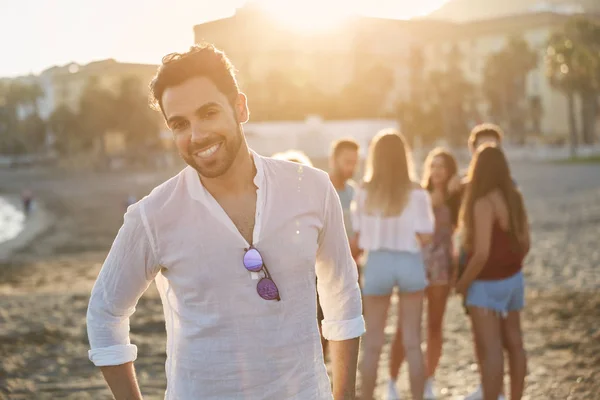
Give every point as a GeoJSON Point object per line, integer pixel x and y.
{"type": "Point", "coordinates": [385, 269]}
{"type": "Point", "coordinates": [501, 296]}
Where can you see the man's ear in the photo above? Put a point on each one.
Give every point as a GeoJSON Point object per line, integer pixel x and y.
{"type": "Point", "coordinates": [241, 108]}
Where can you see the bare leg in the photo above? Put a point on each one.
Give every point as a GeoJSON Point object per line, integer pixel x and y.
{"type": "Point", "coordinates": [397, 352]}
{"type": "Point", "coordinates": [488, 340]}
{"type": "Point", "coordinates": [437, 297]}
{"type": "Point", "coordinates": [517, 359]}
{"type": "Point", "coordinates": [478, 359]}
{"type": "Point", "coordinates": [376, 309]}
{"type": "Point", "coordinates": [411, 310]}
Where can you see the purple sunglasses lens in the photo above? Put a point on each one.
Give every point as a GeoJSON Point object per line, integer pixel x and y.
{"type": "Point", "coordinates": [253, 261]}
{"type": "Point", "coordinates": [267, 289]}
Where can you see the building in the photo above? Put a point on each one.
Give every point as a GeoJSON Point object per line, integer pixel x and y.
{"type": "Point", "coordinates": [477, 40]}
{"type": "Point", "coordinates": [258, 45]}
{"type": "Point", "coordinates": [329, 59]}
{"type": "Point", "coordinates": [64, 85]}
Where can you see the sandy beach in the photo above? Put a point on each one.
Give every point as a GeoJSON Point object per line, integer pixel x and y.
{"type": "Point", "coordinates": [45, 286]}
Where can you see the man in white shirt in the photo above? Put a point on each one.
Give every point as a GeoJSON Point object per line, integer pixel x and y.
{"type": "Point", "coordinates": [235, 329]}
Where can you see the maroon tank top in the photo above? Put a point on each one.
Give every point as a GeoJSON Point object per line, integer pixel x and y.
{"type": "Point", "coordinates": [503, 261]}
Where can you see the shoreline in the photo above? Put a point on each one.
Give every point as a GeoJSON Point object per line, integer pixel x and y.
{"type": "Point", "coordinates": [38, 221]}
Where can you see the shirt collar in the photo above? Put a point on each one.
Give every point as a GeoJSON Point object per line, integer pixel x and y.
{"type": "Point", "coordinates": [198, 192]}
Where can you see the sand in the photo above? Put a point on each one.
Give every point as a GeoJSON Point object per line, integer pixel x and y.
{"type": "Point", "coordinates": [44, 290]}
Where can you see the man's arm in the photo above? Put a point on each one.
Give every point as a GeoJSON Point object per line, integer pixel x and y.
{"type": "Point", "coordinates": [122, 381]}
{"type": "Point", "coordinates": [129, 269]}
{"type": "Point", "coordinates": [344, 357]}
{"type": "Point", "coordinates": [340, 298]}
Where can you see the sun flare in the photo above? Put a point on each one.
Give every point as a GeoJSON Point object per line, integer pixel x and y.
{"type": "Point", "coordinates": [309, 15]}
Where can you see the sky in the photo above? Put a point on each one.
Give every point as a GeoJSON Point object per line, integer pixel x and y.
{"type": "Point", "coordinates": [37, 34]}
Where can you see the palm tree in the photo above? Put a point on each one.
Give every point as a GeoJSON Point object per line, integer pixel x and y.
{"type": "Point", "coordinates": [450, 92]}
{"type": "Point", "coordinates": [504, 84]}
{"type": "Point", "coordinates": [573, 61]}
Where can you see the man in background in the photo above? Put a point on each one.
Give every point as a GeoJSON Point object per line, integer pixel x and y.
{"type": "Point", "coordinates": [481, 134]}
{"type": "Point", "coordinates": [343, 161]}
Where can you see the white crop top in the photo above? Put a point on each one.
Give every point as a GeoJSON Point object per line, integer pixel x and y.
{"type": "Point", "coordinates": [398, 232]}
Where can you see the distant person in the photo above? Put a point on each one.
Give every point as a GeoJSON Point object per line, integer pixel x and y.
{"type": "Point", "coordinates": [392, 221]}
{"type": "Point", "coordinates": [440, 167]}
{"type": "Point", "coordinates": [232, 242]}
{"type": "Point", "coordinates": [495, 235]}
{"type": "Point", "coordinates": [343, 161]}
{"type": "Point", "coordinates": [481, 134]}
{"type": "Point", "coordinates": [27, 200]}
{"type": "Point", "coordinates": [294, 156]}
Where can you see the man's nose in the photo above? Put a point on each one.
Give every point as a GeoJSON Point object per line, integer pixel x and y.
{"type": "Point", "coordinates": [198, 132]}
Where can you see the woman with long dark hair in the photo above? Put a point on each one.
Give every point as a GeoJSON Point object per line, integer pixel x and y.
{"type": "Point", "coordinates": [440, 167]}
{"type": "Point", "coordinates": [495, 234]}
{"type": "Point", "coordinates": [392, 218]}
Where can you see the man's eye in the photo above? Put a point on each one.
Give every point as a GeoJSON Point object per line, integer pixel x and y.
{"type": "Point", "coordinates": [177, 126]}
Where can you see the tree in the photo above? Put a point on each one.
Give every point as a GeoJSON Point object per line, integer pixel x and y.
{"type": "Point", "coordinates": [97, 115]}
{"type": "Point", "coordinates": [21, 128]}
{"type": "Point", "coordinates": [134, 117]}
{"type": "Point", "coordinates": [33, 130]}
{"type": "Point", "coordinates": [450, 95]}
{"type": "Point", "coordinates": [64, 124]}
{"type": "Point", "coordinates": [440, 101]}
{"type": "Point", "coordinates": [366, 95]}
{"type": "Point", "coordinates": [504, 85]}
{"type": "Point", "coordinates": [573, 67]}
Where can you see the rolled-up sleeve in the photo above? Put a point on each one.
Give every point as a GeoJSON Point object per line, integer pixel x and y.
{"type": "Point", "coordinates": [424, 218]}
{"type": "Point", "coordinates": [130, 267]}
{"type": "Point", "coordinates": [337, 276]}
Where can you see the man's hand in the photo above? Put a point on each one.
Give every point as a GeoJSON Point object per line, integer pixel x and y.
{"type": "Point", "coordinates": [344, 355]}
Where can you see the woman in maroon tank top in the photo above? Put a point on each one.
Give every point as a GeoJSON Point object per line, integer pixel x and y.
{"type": "Point", "coordinates": [495, 233]}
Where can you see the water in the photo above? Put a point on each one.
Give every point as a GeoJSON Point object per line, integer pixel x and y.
{"type": "Point", "coordinates": [12, 220]}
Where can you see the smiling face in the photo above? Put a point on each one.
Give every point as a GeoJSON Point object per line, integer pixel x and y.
{"type": "Point", "coordinates": [206, 127]}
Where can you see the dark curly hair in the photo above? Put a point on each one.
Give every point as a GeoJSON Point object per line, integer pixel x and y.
{"type": "Point", "coordinates": [484, 130]}
{"type": "Point", "coordinates": [201, 60]}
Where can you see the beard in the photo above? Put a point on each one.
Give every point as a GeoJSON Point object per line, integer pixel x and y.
{"type": "Point", "coordinates": [225, 156]}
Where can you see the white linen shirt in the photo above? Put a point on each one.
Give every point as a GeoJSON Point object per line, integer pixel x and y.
{"type": "Point", "coordinates": [223, 340]}
{"type": "Point", "coordinates": [398, 232]}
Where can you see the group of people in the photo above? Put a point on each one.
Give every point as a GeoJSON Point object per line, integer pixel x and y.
{"type": "Point", "coordinates": [255, 258]}
{"type": "Point", "coordinates": [406, 232]}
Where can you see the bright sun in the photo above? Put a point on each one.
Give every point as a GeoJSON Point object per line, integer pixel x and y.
{"type": "Point", "coordinates": [308, 15]}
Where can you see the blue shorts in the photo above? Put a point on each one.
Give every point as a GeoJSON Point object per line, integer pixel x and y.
{"type": "Point", "coordinates": [501, 296]}
{"type": "Point", "coordinates": [385, 269]}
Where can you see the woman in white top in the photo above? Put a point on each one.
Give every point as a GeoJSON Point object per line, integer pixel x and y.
{"type": "Point", "coordinates": [392, 218]}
